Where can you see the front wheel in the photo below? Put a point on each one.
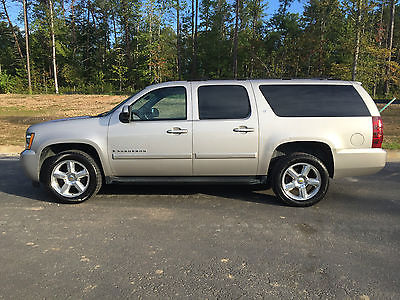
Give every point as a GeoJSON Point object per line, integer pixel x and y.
{"type": "Point", "coordinates": [300, 179]}
{"type": "Point", "coordinates": [72, 176]}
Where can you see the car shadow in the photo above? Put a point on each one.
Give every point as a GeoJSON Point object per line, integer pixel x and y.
{"type": "Point", "coordinates": [14, 182]}
{"type": "Point", "coordinates": [242, 192]}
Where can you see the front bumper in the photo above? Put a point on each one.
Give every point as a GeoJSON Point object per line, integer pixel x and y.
{"type": "Point", "coordinates": [357, 162]}
{"type": "Point", "coordinates": [30, 162]}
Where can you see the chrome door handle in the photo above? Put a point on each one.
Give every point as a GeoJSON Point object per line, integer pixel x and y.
{"type": "Point", "coordinates": [177, 130]}
{"type": "Point", "coordinates": [243, 129]}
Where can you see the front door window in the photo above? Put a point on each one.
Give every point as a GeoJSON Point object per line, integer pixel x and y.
{"type": "Point", "coordinates": [167, 103]}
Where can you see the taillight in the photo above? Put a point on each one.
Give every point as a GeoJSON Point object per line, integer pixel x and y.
{"type": "Point", "coordinates": [377, 132]}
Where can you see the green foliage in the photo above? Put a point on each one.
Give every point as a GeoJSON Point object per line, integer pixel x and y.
{"type": "Point", "coordinates": [119, 71]}
{"type": "Point", "coordinates": [7, 83]}
{"type": "Point", "coordinates": [391, 145]}
{"type": "Point", "coordinates": [105, 46]}
{"type": "Point", "coordinates": [12, 83]}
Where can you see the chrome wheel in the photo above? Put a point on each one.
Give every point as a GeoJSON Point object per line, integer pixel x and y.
{"type": "Point", "coordinates": [301, 181]}
{"type": "Point", "coordinates": [70, 178]}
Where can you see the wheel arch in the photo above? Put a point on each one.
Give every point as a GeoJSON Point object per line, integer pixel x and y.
{"type": "Point", "coordinates": [54, 149]}
{"type": "Point", "coordinates": [319, 149]}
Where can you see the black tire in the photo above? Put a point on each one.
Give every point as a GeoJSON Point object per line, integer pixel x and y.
{"type": "Point", "coordinates": [81, 161]}
{"type": "Point", "coordinates": [304, 186]}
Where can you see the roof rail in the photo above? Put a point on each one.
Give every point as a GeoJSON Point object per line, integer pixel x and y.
{"type": "Point", "coordinates": [310, 78]}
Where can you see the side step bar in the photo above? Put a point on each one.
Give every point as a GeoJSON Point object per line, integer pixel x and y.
{"type": "Point", "coordinates": [245, 180]}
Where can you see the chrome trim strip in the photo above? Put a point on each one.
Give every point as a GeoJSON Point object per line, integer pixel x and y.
{"type": "Point", "coordinates": [183, 156]}
{"type": "Point", "coordinates": [188, 179]}
{"type": "Point", "coordinates": [151, 156]}
{"type": "Point", "coordinates": [224, 155]}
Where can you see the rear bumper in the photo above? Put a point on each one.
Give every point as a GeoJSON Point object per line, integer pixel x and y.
{"type": "Point", "coordinates": [357, 162]}
{"type": "Point", "coordinates": [30, 162]}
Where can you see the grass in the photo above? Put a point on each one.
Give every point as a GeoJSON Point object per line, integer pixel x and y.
{"type": "Point", "coordinates": [391, 145]}
{"type": "Point", "coordinates": [18, 112]}
{"type": "Point", "coordinates": [391, 126]}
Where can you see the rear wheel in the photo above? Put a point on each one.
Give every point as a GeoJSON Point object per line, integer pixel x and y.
{"type": "Point", "coordinates": [300, 179]}
{"type": "Point", "coordinates": [72, 176]}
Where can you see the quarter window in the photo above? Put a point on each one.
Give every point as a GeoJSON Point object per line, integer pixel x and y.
{"type": "Point", "coordinates": [223, 102]}
{"type": "Point", "coordinates": [167, 103]}
{"type": "Point", "coordinates": [314, 100]}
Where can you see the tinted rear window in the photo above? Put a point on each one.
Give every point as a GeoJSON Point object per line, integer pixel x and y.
{"type": "Point", "coordinates": [314, 100]}
{"type": "Point", "coordinates": [223, 102]}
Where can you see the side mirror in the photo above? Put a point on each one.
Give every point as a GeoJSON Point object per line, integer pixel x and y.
{"type": "Point", "coordinates": [125, 114]}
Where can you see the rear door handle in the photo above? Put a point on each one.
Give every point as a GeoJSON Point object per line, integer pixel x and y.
{"type": "Point", "coordinates": [177, 130]}
{"type": "Point", "coordinates": [243, 129]}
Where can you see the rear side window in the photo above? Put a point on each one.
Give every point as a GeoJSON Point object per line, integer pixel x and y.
{"type": "Point", "coordinates": [223, 102]}
{"type": "Point", "coordinates": [314, 100]}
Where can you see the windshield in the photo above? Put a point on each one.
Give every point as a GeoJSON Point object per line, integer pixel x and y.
{"type": "Point", "coordinates": [116, 107]}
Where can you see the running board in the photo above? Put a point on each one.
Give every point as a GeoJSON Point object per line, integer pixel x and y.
{"type": "Point", "coordinates": [245, 180]}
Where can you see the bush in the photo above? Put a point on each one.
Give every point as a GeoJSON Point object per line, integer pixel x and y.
{"type": "Point", "coordinates": [7, 83]}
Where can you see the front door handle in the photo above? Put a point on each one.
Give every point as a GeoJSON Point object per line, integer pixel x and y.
{"type": "Point", "coordinates": [243, 129]}
{"type": "Point", "coordinates": [177, 130]}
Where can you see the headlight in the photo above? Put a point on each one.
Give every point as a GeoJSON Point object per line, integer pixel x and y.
{"type": "Point", "coordinates": [29, 140]}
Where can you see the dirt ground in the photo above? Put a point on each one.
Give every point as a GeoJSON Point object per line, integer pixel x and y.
{"type": "Point", "coordinates": [391, 126]}
{"type": "Point", "coordinates": [18, 112]}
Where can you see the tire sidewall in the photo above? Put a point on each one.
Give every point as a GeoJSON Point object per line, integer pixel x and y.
{"type": "Point", "coordinates": [285, 163]}
{"type": "Point", "coordinates": [89, 165]}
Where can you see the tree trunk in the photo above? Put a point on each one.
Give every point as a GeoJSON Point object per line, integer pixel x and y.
{"type": "Point", "coordinates": [127, 33]}
{"type": "Point", "coordinates": [63, 10]}
{"type": "Point", "coordinates": [195, 9]}
{"type": "Point", "coordinates": [357, 43]}
{"type": "Point", "coordinates": [379, 35]}
{"type": "Point", "coordinates": [321, 68]}
{"type": "Point", "coordinates": [235, 41]}
{"type": "Point", "coordinates": [106, 38]}
{"type": "Point", "coordinates": [28, 67]}
{"type": "Point", "coordinates": [254, 37]}
{"type": "Point", "coordinates": [73, 23]}
{"type": "Point", "coordinates": [195, 39]}
{"type": "Point", "coordinates": [151, 37]}
{"type": "Point", "coordinates": [114, 27]}
{"type": "Point", "coordinates": [87, 62]}
{"type": "Point", "coordinates": [192, 24]}
{"type": "Point", "coordinates": [12, 30]}
{"type": "Point", "coordinates": [391, 30]}
{"type": "Point", "coordinates": [53, 45]}
{"type": "Point", "coordinates": [73, 33]}
{"type": "Point", "coordinates": [178, 40]}
{"type": "Point", "coordinates": [94, 20]}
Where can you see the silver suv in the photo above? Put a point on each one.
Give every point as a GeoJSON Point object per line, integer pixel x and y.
{"type": "Point", "coordinates": [292, 135]}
